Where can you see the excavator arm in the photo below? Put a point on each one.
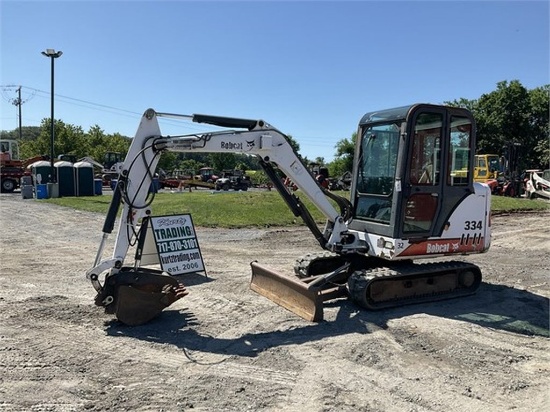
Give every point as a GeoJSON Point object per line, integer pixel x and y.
{"type": "Point", "coordinates": [135, 294]}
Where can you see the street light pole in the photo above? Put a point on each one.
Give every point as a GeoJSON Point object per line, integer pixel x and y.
{"type": "Point", "coordinates": [52, 54]}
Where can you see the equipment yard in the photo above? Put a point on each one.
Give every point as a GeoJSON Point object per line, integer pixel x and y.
{"type": "Point", "coordinates": [226, 348]}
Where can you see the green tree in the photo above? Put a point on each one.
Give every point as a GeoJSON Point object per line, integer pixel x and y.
{"type": "Point", "coordinates": [471, 105]}
{"type": "Point", "coordinates": [295, 145]}
{"type": "Point", "coordinates": [167, 161]}
{"type": "Point", "coordinates": [27, 133]}
{"type": "Point", "coordinates": [191, 165]}
{"type": "Point", "coordinates": [72, 140]}
{"type": "Point", "coordinates": [94, 146]}
{"type": "Point", "coordinates": [97, 144]}
{"type": "Point", "coordinates": [190, 161]}
{"type": "Point", "coordinates": [512, 116]}
{"type": "Point", "coordinates": [222, 161]}
{"type": "Point", "coordinates": [68, 139]}
{"type": "Point", "coordinates": [503, 118]}
{"type": "Point", "coordinates": [540, 124]}
{"type": "Point", "coordinates": [343, 158]}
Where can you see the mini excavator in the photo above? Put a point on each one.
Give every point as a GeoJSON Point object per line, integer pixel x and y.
{"type": "Point", "coordinates": [412, 197]}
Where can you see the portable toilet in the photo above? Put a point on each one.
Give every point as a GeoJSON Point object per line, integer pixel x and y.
{"type": "Point", "coordinates": [84, 178]}
{"type": "Point", "coordinates": [42, 168]}
{"type": "Point", "coordinates": [65, 178]}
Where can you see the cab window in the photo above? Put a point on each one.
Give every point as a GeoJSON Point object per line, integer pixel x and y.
{"type": "Point", "coordinates": [376, 174]}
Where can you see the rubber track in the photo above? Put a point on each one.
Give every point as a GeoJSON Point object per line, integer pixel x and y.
{"type": "Point", "coordinates": [359, 282]}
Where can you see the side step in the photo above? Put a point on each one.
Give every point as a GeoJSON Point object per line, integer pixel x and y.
{"type": "Point", "coordinates": [304, 297]}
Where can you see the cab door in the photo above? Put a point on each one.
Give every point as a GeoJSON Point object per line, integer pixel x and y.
{"type": "Point", "coordinates": [422, 180]}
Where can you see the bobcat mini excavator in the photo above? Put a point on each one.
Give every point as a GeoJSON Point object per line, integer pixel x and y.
{"type": "Point", "coordinates": [412, 197]}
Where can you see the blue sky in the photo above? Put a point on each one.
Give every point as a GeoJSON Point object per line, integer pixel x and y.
{"type": "Point", "coordinates": [309, 68]}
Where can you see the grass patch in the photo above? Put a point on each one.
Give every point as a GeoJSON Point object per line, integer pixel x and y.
{"type": "Point", "coordinates": [503, 204]}
{"type": "Point", "coordinates": [219, 209]}
{"type": "Point", "coordinates": [250, 209]}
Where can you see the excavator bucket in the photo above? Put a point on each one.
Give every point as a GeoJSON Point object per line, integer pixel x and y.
{"type": "Point", "coordinates": [136, 296]}
{"type": "Point", "coordinates": [300, 296]}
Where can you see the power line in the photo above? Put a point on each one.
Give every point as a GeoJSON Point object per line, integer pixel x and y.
{"type": "Point", "coordinates": [83, 101]}
{"type": "Point", "coordinates": [16, 101]}
{"type": "Point", "coordinates": [108, 109]}
{"type": "Point", "coordinates": [316, 141]}
{"type": "Point", "coordinates": [88, 104]}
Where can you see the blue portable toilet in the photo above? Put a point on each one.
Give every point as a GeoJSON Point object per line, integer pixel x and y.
{"type": "Point", "coordinates": [66, 178]}
{"type": "Point", "coordinates": [84, 178]}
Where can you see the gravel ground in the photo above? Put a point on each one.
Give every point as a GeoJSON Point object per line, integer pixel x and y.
{"type": "Point", "coordinates": [225, 348]}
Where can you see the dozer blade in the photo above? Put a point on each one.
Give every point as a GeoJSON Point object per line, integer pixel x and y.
{"type": "Point", "coordinates": [297, 295]}
{"type": "Point", "coordinates": [136, 296]}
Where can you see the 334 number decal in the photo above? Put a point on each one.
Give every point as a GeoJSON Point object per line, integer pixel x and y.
{"type": "Point", "coordinates": [473, 225]}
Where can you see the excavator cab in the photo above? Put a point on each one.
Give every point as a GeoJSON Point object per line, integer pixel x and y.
{"type": "Point", "coordinates": [413, 166]}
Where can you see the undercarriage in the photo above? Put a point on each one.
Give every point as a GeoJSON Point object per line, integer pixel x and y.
{"type": "Point", "coordinates": [369, 282]}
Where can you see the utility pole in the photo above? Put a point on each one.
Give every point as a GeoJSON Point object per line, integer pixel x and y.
{"type": "Point", "coordinates": [18, 102]}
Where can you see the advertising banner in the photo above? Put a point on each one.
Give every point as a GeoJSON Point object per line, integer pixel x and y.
{"type": "Point", "coordinates": [176, 243]}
